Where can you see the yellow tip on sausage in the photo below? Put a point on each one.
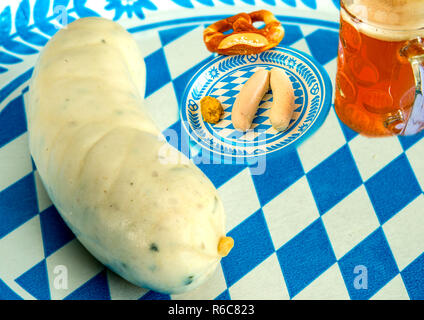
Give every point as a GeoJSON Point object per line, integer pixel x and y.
{"type": "Point", "coordinates": [225, 245]}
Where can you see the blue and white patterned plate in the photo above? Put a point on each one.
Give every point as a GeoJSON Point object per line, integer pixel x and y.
{"type": "Point", "coordinates": [224, 77]}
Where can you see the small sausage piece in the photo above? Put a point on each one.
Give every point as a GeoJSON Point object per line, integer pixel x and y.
{"type": "Point", "coordinates": [283, 96]}
{"type": "Point", "coordinates": [247, 101]}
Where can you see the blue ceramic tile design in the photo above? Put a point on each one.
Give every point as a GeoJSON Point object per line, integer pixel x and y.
{"type": "Point", "coordinates": [413, 278]}
{"type": "Point", "coordinates": [281, 172]}
{"type": "Point", "coordinates": [18, 204]}
{"type": "Point", "coordinates": [368, 267]}
{"type": "Point", "coordinates": [333, 179]}
{"type": "Point", "coordinates": [36, 281]}
{"type": "Point", "coordinates": [392, 188]}
{"type": "Point", "coordinates": [254, 245]}
{"type": "Point", "coordinates": [54, 231]}
{"type": "Point", "coordinates": [305, 257]}
{"type": "Point", "coordinates": [96, 288]}
{"type": "Point", "coordinates": [157, 72]}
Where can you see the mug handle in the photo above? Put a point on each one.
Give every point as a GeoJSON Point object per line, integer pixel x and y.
{"type": "Point", "coordinates": [414, 51]}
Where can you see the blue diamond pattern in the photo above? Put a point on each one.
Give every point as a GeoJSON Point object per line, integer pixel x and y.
{"type": "Point", "coordinates": [373, 260]}
{"type": "Point", "coordinates": [333, 179]}
{"type": "Point", "coordinates": [219, 174]}
{"type": "Point", "coordinates": [12, 121]}
{"type": "Point", "coordinates": [225, 295]}
{"type": "Point", "coordinates": [157, 72]}
{"type": "Point", "coordinates": [36, 281]}
{"type": "Point", "coordinates": [96, 288]}
{"type": "Point", "coordinates": [254, 245]}
{"type": "Point", "coordinates": [305, 257]}
{"type": "Point", "coordinates": [348, 132]}
{"type": "Point", "coordinates": [230, 101]}
{"type": "Point", "coordinates": [260, 120]}
{"type": "Point", "coordinates": [54, 231]}
{"type": "Point", "coordinates": [153, 295]}
{"type": "Point", "coordinates": [18, 204]}
{"type": "Point", "coordinates": [409, 141]}
{"type": "Point", "coordinates": [292, 34]}
{"type": "Point", "coordinates": [180, 83]}
{"type": "Point", "coordinates": [391, 189]}
{"type": "Point", "coordinates": [169, 35]}
{"type": "Point", "coordinates": [280, 173]}
{"type": "Point", "coordinates": [6, 293]}
{"type": "Point", "coordinates": [228, 86]}
{"type": "Point", "coordinates": [230, 93]}
{"type": "Point", "coordinates": [413, 278]}
{"type": "Point", "coordinates": [323, 45]}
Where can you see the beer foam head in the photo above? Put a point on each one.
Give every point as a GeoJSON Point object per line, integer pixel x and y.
{"type": "Point", "coordinates": [392, 20]}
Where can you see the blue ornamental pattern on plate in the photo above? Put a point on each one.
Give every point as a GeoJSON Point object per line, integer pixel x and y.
{"type": "Point", "coordinates": [224, 77]}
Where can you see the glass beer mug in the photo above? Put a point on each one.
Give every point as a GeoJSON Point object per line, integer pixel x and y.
{"type": "Point", "coordinates": [380, 71]}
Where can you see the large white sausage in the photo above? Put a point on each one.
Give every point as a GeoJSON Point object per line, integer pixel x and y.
{"type": "Point", "coordinates": [283, 99]}
{"type": "Point", "coordinates": [155, 222]}
{"type": "Point", "coordinates": [248, 99]}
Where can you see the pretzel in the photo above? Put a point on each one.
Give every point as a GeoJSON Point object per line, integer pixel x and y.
{"type": "Point", "coordinates": [245, 38]}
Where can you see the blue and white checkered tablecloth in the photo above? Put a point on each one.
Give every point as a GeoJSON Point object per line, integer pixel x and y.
{"type": "Point", "coordinates": [340, 217]}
